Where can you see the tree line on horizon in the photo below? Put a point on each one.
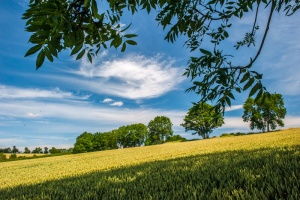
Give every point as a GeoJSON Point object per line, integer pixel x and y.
{"type": "Point", "coordinates": [264, 114]}
{"type": "Point", "coordinates": [158, 131]}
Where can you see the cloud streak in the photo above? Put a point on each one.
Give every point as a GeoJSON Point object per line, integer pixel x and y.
{"type": "Point", "coordinates": [132, 77]}
{"type": "Point", "coordinates": [9, 92]}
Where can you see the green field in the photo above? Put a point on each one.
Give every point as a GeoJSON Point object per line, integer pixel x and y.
{"type": "Point", "coordinates": [259, 166]}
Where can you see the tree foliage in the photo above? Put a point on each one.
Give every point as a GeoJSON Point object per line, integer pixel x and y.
{"type": "Point", "coordinates": [105, 141]}
{"type": "Point", "coordinates": [15, 150]}
{"type": "Point", "coordinates": [75, 25]}
{"type": "Point", "coordinates": [84, 143]}
{"type": "Point", "coordinates": [175, 138]}
{"type": "Point", "coordinates": [78, 25]}
{"type": "Point", "coordinates": [202, 119]}
{"type": "Point", "coordinates": [159, 129]}
{"type": "Point", "coordinates": [265, 113]}
{"type": "Point", "coordinates": [37, 150]}
{"type": "Point", "coordinates": [26, 150]}
{"type": "Point", "coordinates": [133, 135]}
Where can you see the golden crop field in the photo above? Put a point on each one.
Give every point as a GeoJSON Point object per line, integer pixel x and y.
{"type": "Point", "coordinates": [219, 166]}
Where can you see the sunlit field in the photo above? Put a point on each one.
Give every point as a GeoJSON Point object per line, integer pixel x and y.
{"type": "Point", "coordinates": [259, 166]}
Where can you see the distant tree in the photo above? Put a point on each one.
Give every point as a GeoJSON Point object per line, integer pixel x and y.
{"type": "Point", "coordinates": [15, 150]}
{"type": "Point", "coordinates": [202, 119]}
{"type": "Point", "coordinates": [37, 150]}
{"type": "Point", "coordinates": [132, 135]}
{"type": "Point", "coordinates": [265, 113]}
{"type": "Point", "coordinates": [84, 143]}
{"type": "Point", "coordinates": [53, 150]}
{"type": "Point", "coordinates": [70, 150]}
{"type": "Point", "coordinates": [175, 138]}
{"type": "Point", "coordinates": [159, 129]}
{"type": "Point", "coordinates": [26, 150]}
{"type": "Point", "coordinates": [46, 150]}
{"type": "Point", "coordinates": [7, 150]}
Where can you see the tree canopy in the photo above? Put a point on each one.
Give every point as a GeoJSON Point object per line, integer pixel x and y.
{"type": "Point", "coordinates": [202, 119]}
{"type": "Point", "coordinates": [266, 113]}
{"type": "Point", "coordinates": [78, 26]}
{"type": "Point", "coordinates": [159, 129]}
{"type": "Point", "coordinates": [133, 135]}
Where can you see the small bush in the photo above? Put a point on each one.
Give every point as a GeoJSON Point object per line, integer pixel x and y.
{"type": "Point", "coordinates": [2, 157]}
{"type": "Point", "coordinates": [227, 135]}
{"type": "Point", "coordinates": [13, 156]}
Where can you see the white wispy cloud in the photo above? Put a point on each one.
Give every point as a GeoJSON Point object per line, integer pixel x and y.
{"type": "Point", "coordinates": [10, 92]}
{"type": "Point", "coordinates": [33, 115]}
{"type": "Point", "coordinates": [117, 103]}
{"type": "Point", "coordinates": [106, 100]}
{"type": "Point", "coordinates": [132, 77]}
{"type": "Point", "coordinates": [232, 108]}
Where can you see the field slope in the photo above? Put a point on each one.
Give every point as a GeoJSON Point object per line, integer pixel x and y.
{"type": "Point", "coordinates": [260, 166]}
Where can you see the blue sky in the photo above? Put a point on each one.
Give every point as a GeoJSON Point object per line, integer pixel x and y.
{"type": "Point", "coordinates": [52, 106]}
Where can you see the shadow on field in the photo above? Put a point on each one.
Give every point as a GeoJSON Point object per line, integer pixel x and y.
{"type": "Point", "coordinates": [271, 173]}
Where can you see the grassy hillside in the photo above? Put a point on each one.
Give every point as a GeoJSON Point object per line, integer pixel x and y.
{"type": "Point", "coordinates": [261, 166]}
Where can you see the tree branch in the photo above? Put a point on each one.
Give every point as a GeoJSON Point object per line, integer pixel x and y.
{"type": "Point", "coordinates": [265, 35]}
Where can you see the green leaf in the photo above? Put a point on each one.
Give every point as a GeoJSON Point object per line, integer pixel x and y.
{"type": "Point", "coordinates": [248, 84]}
{"type": "Point", "coordinates": [40, 59]}
{"type": "Point", "coordinates": [94, 8]}
{"type": "Point", "coordinates": [231, 96]}
{"type": "Point", "coordinates": [80, 54]}
{"type": "Point", "coordinates": [90, 57]}
{"type": "Point", "coordinates": [126, 28]}
{"type": "Point", "coordinates": [238, 90]}
{"type": "Point", "coordinates": [245, 77]}
{"type": "Point", "coordinates": [48, 55]}
{"type": "Point", "coordinates": [205, 52]}
{"type": "Point", "coordinates": [86, 3]}
{"type": "Point", "coordinates": [130, 35]}
{"type": "Point", "coordinates": [258, 96]}
{"type": "Point", "coordinates": [76, 48]}
{"type": "Point", "coordinates": [254, 89]}
{"type": "Point", "coordinates": [226, 34]}
{"type": "Point", "coordinates": [33, 49]}
{"type": "Point", "coordinates": [227, 99]}
{"type": "Point", "coordinates": [131, 42]}
{"type": "Point", "coordinates": [123, 47]}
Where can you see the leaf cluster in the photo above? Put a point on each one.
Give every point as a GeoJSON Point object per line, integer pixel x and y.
{"type": "Point", "coordinates": [75, 25]}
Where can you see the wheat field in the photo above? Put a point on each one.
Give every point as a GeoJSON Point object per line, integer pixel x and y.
{"type": "Point", "coordinates": [26, 172]}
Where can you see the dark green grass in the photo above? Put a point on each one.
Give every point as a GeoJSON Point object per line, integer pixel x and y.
{"type": "Point", "coordinates": [269, 173]}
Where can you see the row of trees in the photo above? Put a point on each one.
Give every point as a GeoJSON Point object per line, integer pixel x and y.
{"type": "Point", "coordinates": [158, 131]}
{"type": "Point", "coordinates": [264, 114]}
{"type": "Point", "coordinates": [9, 150]}
{"type": "Point", "coordinates": [37, 150]}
